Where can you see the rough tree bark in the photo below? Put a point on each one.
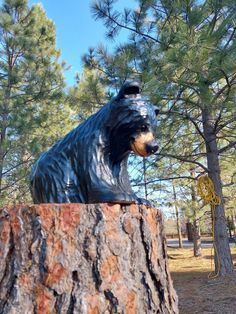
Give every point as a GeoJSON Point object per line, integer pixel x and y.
{"type": "Point", "coordinates": [223, 259]}
{"type": "Point", "coordinates": [74, 258]}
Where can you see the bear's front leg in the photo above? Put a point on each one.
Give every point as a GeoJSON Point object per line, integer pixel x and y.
{"type": "Point", "coordinates": [111, 196]}
{"type": "Point", "coordinates": [143, 201]}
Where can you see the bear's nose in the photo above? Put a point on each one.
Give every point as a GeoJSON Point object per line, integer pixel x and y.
{"type": "Point", "coordinates": [151, 147]}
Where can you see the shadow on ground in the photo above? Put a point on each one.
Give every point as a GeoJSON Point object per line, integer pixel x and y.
{"type": "Point", "coordinates": [198, 294]}
{"type": "Point", "coordinates": [210, 257]}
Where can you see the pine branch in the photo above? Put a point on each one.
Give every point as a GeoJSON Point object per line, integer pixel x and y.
{"type": "Point", "coordinates": [5, 187]}
{"type": "Point", "coordinates": [229, 83]}
{"type": "Point", "coordinates": [230, 38]}
{"type": "Point", "coordinates": [186, 115]}
{"type": "Point", "coordinates": [166, 179]}
{"type": "Point", "coordinates": [225, 124]}
{"type": "Point", "coordinates": [100, 12]}
{"type": "Point", "coordinates": [227, 147]}
{"type": "Point", "coordinates": [184, 159]}
{"type": "Point", "coordinates": [17, 165]}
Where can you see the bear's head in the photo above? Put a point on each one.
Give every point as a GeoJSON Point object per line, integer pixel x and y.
{"type": "Point", "coordinates": [132, 123]}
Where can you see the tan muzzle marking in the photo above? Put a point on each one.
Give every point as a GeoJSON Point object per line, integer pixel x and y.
{"type": "Point", "coordinates": [139, 145]}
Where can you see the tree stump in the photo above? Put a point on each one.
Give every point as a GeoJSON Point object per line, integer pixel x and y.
{"type": "Point", "coordinates": [77, 258]}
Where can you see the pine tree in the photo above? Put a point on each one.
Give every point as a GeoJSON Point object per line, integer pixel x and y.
{"type": "Point", "coordinates": [184, 53]}
{"type": "Point", "coordinates": [33, 111]}
{"type": "Point", "coordinates": [88, 94]}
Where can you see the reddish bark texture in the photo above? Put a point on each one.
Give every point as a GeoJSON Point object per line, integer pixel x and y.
{"type": "Point", "coordinates": [74, 258]}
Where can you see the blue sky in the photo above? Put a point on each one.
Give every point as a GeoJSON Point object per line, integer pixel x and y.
{"type": "Point", "coordinates": [77, 30]}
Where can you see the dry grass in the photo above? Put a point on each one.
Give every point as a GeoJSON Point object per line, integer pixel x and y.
{"type": "Point", "coordinates": [197, 293]}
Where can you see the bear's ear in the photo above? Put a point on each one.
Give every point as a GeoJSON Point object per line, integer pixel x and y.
{"type": "Point", "coordinates": [157, 110]}
{"type": "Point", "coordinates": [129, 88]}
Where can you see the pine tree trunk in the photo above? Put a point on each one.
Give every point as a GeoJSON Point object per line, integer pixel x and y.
{"type": "Point", "coordinates": [223, 259]}
{"type": "Point", "coordinates": [75, 258]}
{"type": "Point", "coordinates": [178, 223]}
{"type": "Point", "coordinates": [1, 168]}
{"type": "Point", "coordinates": [145, 178]}
{"type": "Point", "coordinates": [179, 229]}
{"type": "Point", "coordinates": [5, 116]}
{"type": "Point", "coordinates": [3, 131]}
{"type": "Point", "coordinates": [197, 245]}
{"type": "Point", "coordinates": [189, 230]}
{"type": "Point", "coordinates": [234, 224]}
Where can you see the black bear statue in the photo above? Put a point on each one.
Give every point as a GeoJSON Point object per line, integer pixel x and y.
{"type": "Point", "coordinates": [89, 165]}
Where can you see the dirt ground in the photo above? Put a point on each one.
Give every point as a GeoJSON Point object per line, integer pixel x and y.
{"type": "Point", "coordinates": [197, 293]}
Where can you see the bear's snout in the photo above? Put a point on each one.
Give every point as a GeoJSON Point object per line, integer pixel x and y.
{"type": "Point", "coordinates": [151, 147]}
{"type": "Point", "coordinates": [144, 145]}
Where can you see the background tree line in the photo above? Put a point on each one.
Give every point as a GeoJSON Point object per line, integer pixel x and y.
{"type": "Point", "coordinates": [183, 54]}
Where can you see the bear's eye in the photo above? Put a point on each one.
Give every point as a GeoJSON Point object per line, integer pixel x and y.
{"type": "Point", "coordinates": [143, 128]}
